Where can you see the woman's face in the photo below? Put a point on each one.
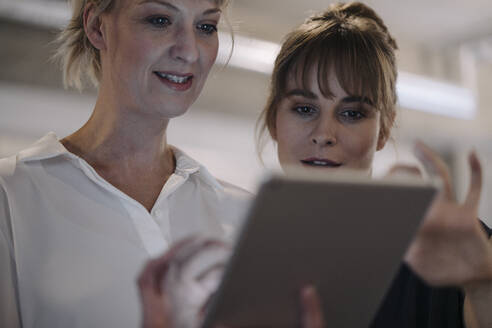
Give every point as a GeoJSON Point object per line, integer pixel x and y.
{"type": "Point", "coordinates": [157, 53]}
{"type": "Point", "coordinates": [326, 133]}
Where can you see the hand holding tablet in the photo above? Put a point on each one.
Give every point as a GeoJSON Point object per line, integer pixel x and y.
{"type": "Point", "coordinates": [344, 235]}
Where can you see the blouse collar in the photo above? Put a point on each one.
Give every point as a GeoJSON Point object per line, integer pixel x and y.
{"type": "Point", "coordinates": [49, 147]}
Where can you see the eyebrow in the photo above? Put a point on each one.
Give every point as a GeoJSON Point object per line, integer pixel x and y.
{"type": "Point", "coordinates": [160, 2]}
{"type": "Point", "coordinates": [174, 8]}
{"type": "Point", "coordinates": [359, 99]}
{"type": "Point", "coordinates": [311, 95]}
{"type": "Point", "coordinates": [303, 93]}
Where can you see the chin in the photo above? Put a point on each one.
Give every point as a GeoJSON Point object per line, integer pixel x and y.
{"type": "Point", "coordinates": [170, 110]}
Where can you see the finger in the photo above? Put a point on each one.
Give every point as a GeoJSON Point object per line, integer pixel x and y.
{"type": "Point", "coordinates": [475, 189]}
{"type": "Point", "coordinates": [311, 305]}
{"type": "Point", "coordinates": [156, 311]}
{"type": "Point", "coordinates": [152, 275]}
{"type": "Point", "coordinates": [196, 246]}
{"type": "Point", "coordinates": [154, 302]}
{"type": "Point", "coordinates": [435, 166]}
{"type": "Point", "coordinates": [404, 170]}
{"type": "Point", "coordinates": [164, 262]}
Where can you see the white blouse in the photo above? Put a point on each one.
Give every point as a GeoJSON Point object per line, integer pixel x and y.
{"type": "Point", "coordinates": [72, 245]}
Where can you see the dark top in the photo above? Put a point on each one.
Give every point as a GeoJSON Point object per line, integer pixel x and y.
{"type": "Point", "coordinates": [411, 303]}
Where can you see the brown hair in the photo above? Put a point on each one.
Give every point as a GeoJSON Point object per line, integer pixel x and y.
{"type": "Point", "coordinates": [76, 53]}
{"type": "Point", "coordinates": [353, 40]}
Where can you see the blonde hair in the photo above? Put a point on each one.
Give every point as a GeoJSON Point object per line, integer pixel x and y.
{"type": "Point", "coordinates": [78, 57]}
{"type": "Point", "coordinates": [349, 38]}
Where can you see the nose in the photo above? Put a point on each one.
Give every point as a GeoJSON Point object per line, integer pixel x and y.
{"type": "Point", "coordinates": [185, 48]}
{"type": "Point", "coordinates": [323, 141]}
{"type": "Point", "coordinates": [324, 134]}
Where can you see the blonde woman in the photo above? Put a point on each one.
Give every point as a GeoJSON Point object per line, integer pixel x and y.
{"type": "Point", "coordinates": [332, 106]}
{"type": "Point", "coordinates": [81, 215]}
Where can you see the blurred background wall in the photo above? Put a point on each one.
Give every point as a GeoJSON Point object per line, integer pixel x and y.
{"type": "Point", "coordinates": [445, 62]}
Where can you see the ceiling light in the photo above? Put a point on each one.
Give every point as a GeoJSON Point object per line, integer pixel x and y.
{"type": "Point", "coordinates": [436, 97]}
{"type": "Point", "coordinates": [248, 53]}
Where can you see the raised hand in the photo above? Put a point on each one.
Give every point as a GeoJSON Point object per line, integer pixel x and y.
{"type": "Point", "coordinates": [451, 247]}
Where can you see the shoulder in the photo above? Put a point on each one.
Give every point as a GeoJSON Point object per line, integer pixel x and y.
{"type": "Point", "coordinates": [18, 171]}
{"type": "Point", "coordinates": [7, 166]}
{"type": "Point", "coordinates": [188, 166]}
{"type": "Point", "coordinates": [227, 202]}
{"type": "Point", "coordinates": [233, 190]}
{"type": "Point", "coordinates": [44, 148]}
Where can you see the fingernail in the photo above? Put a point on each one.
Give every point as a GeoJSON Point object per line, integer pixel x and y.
{"type": "Point", "coordinates": [419, 151]}
{"type": "Point", "coordinates": [473, 159]}
{"type": "Point", "coordinates": [308, 292]}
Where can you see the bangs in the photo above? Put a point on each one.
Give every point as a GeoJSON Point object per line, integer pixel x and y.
{"type": "Point", "coordinates": [221, 3]}
{"type": "Point", "coordinates": [356, 64]}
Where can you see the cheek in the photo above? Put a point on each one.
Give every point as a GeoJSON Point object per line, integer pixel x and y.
{"type": "Point", "coordinates": [208, 54]}
{"type": "Point", "coordinates": [132, 55]}
{"type": "Point", "coordinates": [361, 145]}
{"type": "Point", "coordinates": [140, 52]}
{"type": "Point", "coordinates": [290, 136]}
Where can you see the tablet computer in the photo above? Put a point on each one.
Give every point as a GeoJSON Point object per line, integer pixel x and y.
{"type": "Point", "coordinates": [346, 235]}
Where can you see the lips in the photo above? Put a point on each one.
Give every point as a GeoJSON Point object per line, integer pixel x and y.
{"type": "Point", "coordinates": [175, 81]}
{"type": "Point", "coordinates": [320, 162]}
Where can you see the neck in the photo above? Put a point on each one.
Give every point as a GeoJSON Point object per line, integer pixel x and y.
{"type": "Point", "coordinates": [119, 136]}
{"type": "Point", "coordinates": [127, 147]}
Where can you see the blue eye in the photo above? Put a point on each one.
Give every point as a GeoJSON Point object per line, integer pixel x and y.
{"type": "Point", "coordinates": [352, 114]}
{"type": "Point", "coordinates": [159, 21]}
{"type": "Point", "coordinates": [207, 28]}
{"type": "Point", "coordinates": [305, 110]}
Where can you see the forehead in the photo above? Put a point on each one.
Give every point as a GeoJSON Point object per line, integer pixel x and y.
{"type": "Point", "coordinates": [329, 74]}
{"type": "Point", "coordinates": [322, 83]}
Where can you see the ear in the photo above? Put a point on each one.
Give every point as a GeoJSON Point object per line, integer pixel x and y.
{"type": "Point", "coordinates": [382, 139]}
{"type": "Point", "coordinates": [93, 27]}
{"type": "Point", "coordinates": [273, 132]}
